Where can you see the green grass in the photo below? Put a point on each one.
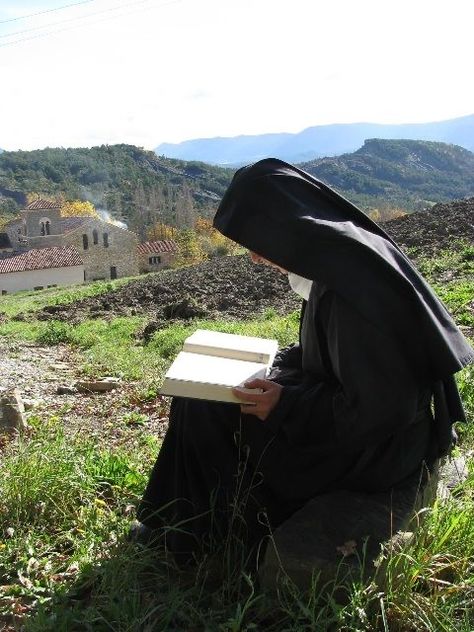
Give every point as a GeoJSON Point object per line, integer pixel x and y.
{"type": "Point", "coordinates": [34, 300]}
{"type": "Point", "coordinates": [66, 503]}
{"type": "Point", "coordinates": [65, 564]}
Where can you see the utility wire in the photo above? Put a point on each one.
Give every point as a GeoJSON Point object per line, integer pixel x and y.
{"type": "Point", "coordinates": [78, 17]}
{"type": "Point", "coordinates": [31, 15]}
{"type": "Point", "coordinates": [68, 28]}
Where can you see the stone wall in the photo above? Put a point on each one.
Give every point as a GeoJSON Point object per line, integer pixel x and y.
{"type": "Point", "coordinates": [15, 231]}
{"type": "Point", "coordinates": [47, 219]}
{"type": "Point", "coordinates": [165, 261]}
{"type": "Point", "coordinates": [104, 248]}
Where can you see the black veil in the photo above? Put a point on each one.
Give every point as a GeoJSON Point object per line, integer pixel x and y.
{"type": "Point", "coordinates": [289, 217]}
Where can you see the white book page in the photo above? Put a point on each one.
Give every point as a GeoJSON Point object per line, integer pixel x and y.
{"type": "Point", "coordinates": [231, 345]}
{"type": "Point", "coordinates": [208, 369]}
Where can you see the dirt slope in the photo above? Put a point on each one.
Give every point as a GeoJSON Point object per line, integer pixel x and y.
{"type": "Point", "coordinates": [234, 287]}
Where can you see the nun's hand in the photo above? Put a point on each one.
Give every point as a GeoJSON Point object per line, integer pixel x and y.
{"type": "Point", "coordinates": [259, 404]}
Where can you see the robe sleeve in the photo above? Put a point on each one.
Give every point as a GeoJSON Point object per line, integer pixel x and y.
{"type": "Point", "coordinates": [369, 390]}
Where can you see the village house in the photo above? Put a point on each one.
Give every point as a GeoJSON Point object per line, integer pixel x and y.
{"type": "Point", "coordinates": [37, 269]}
{"type": "Point", "coordinates": [41, 249]}
{"type": "Point", "coordinates": [156, 255]}
{"type": "Point", "coordinates": [106, 251]}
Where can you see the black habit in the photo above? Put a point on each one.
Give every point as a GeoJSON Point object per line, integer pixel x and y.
{"type": "Point", "coordinates": [368, 392]}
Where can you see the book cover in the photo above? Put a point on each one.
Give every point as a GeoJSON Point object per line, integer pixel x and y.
{"type": "Point", "coordinates": [211, 364]}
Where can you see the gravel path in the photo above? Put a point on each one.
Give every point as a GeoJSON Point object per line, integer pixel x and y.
{"type": "Point", "coordinates": [110, 418]}
{"type": "Point", "coordinates": [35, 371]}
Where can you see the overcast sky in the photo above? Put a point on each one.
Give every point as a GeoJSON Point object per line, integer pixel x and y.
{"type": "Point", "coordinates": [150, 71]}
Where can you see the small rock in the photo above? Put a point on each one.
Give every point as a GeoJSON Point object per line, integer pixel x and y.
{"type": "Point", "coordinates": [66, 390]}
{"type": "Point", "coordinates": [58, 366]}
{"type": "Point", "coordinates": [12, 411]}
{"type": "Point", "coordinates": [98, 386]}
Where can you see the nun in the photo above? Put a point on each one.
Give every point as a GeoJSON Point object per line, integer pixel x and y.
{"type": "Point", "coordinates": [365, 400]}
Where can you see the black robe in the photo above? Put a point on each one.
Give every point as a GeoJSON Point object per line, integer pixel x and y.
{"type": "Point", "coordinates": [219, 468]}
{"type": "Point", "coordinates": [355, 411]}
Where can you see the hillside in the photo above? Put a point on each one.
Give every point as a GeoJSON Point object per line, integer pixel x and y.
{"type": "Point", "coordinates": [407, 174]}
{"type": "Point", "coordinates": [315, 142]}
{"type": "Point", "coordinates": [132, 184]}
{"type": "Point", "coordinates": [140, 188]}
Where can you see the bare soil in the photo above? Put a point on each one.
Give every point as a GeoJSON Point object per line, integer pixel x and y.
{"type": "Point", "coordinates": [234, 287]}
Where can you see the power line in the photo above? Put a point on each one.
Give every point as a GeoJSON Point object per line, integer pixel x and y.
{"type": "Point", "coordinates": [31, 15]}
{"type": "Point", "coordinates": [68, 28]}
{"type": "Point", "coordinates": [79, 17]}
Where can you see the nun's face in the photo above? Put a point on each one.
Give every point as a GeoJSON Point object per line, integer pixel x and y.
{"type": "Point", "coordinates": [261, 260]}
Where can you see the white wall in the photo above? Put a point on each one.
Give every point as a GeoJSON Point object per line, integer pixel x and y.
{"type": "Point", "coordinates": [16, 281]}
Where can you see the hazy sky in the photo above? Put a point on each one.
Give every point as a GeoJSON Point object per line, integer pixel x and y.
{"type": "Point", "coordinates": [151, 71]}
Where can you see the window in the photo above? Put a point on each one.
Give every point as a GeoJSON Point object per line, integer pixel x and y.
{"type": "Point", "coordinates": [106, 240]}
{"type": "Point", "coordinates": [95, 236]}
{"type": "Point", "coordinates": [19, 234]}
{"type": "Point", "coordinates": [45, 226]}
{"type": "Point", "coordinates": [113, 272]}
{"type": "Point", "coordinates": [154, 260]}
{"type": "Point", "coordinates": [84, 275]}
{"type": "Point", "coordinates": [4, 292]}
{"type": "Point", "coordinates": [85, 242]}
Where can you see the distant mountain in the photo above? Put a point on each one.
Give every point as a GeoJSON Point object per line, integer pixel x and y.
{"type": "Point", "coordinates": [408, 174]}
{"type": "Point", "coordinates": [316, 142]}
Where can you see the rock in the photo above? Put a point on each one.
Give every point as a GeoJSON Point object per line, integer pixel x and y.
{"type": "Point", "coordinates": [12, 411]}
{"type": "Point", "coordinates": [59, 366]}
{"type": "Point", "coordinates": [342, 535]}
{"type": "Point", "coordinates": [452, 473]}
{"type": "Point", "coordinates": [66, 390]}
{"type": "Point", "coordinates": [98, 386]}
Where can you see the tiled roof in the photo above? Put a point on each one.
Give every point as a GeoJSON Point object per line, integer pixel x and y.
{"type": "Point", "coordinates": [5, 241]}
{"type": "Point", "coordinates": [165, 245]}
{"type": "Point", "coordinates": [57, 257]}
{"type": "Point", "coordinates": [71, 223]}
{"type": "Point", "coordinates": [40, 204]}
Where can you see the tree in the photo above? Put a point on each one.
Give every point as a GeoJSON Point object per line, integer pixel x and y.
{"type": "Point", "coordinates": [190, 250]}
{"type": "Point", "coordinates": [74, 208]}
{"type": "Point", "coordinates": [212, 241]}
{"type": "Point", "coordinates": [159, 231]}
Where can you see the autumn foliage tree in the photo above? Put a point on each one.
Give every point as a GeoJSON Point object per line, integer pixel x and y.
{"type": "Point", "coordinates": [75, 208]}
{"type": "Point", "coordinates": [68, 208]}
{"type": "Point", "coordinates": [190, 250]}
{"type": "Point", "coordinates": [212, 241]}
{"type": "Point", "coordinates": [160, 231]}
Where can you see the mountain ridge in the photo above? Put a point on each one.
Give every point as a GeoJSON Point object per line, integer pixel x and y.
{"type": "Point", "coordinates": [316, 141]}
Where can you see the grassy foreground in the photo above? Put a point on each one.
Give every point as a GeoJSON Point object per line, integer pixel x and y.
{"type": "Point", "coordinates": [66, 503]}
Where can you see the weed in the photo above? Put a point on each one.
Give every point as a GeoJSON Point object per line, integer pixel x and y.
{"type": "Point", "coordinates": [56, 332]}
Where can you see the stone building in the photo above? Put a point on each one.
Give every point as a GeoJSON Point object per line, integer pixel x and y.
{"type": "Point", "coordinates": [107, 251]}
{"type": "Point", "coordinates": [40, 268]}
{"type": "Point", "coordinates": [156, 255]}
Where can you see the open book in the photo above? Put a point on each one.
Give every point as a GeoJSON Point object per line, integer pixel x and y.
{"type": "Point", "coordinates": [212, 363]}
